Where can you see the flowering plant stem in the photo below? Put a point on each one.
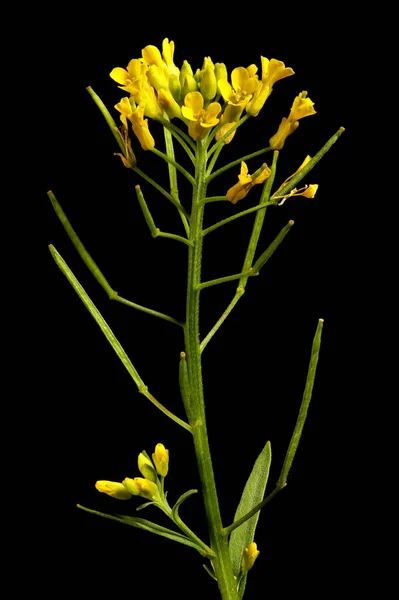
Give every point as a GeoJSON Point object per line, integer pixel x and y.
{"type": "Point", "coordinates": [230, 559]}
{"type": "Point", "coordinates": [219, 543]}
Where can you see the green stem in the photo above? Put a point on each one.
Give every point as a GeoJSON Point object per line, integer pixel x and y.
{"type": "Point", "coordinates": [175, 164]}
{"type": "Point", "coordinates": [213, 161]}
{"type": "Point", "coordinates": [254, 510]}
{"type": "Point", "coordinates": [264, 257]}
{"type": "Point", "coordinates": [222, 318]}
{"type": "Point", "coordinates": [259, 219]}
{"type": "Point", "coordinates": [234, 217]}
{"type": "Point", "coordinates": [110, 121]}
{"type": "Point", "coordinates": [222, 562]}
{"type": "Point", "coordinates": [174, 188]}
{"type": "Point", "coordinates": [172, 236]}
{"type": "Point", "coordinates": [212, 282]}
{"type": "Point", "coordinates": [236, 162]}
{"type": "Point", "coordinates": [162, 191]}
{"type": "Point", "coordinates": [215, 199]}
{"type": "Point", "coordinates": [174, 129]}
{"type": "Point", "coordinates": [144, 309]}
{"type": "Point", "coordinates": [303, 411]}
{"type": "Point", "coordinates": [109, 334]}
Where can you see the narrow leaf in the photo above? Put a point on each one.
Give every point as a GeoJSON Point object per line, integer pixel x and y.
{"type": "Point", "coordinates": [146, 526]}
{"type": "Point", "coordinates": [253, 493]}
{"type": "Point", "coordinates": [175, 509]}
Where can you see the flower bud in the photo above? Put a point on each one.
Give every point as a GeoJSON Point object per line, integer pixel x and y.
{"type": "Point", "coordinates": [161, 459]}
{"type": "Point", "coordinates": [185, 70]}
{"type": "Point", "coordinates": [157, 77]}
{"type": "Point", "coordinates": [189, 85]}
{"type": "Point", "coordinates": [221, 71]}
{"type": "Point", "coordinates": [249, 557]}
{"type": "Point", "coordinates": [208, 85]}
{"type": "Point", "coordinates": [113, 489]}
{"type": "Point", "coordinates": [143, 487]}
{"type": "Point", "coordinates": [146, 467]}
{"type": "Point", "coordinates": [130, 485]}
{"type": "Point", "coordinates": [168, 103]}
{"type": "Point", "coordinates": [175, 87]}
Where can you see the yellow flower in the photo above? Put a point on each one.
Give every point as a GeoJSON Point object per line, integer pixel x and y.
{"type": "Point", "coordinates": [130, 79]}
{"type": "Point", "coordinates": [200, 119]}
{"type": "Point", "coordinates": [301, 107]}
{"type": "Point", "coordinates": [135, 114]}
{"type": "Point", "coordinates": [113, 489]}
{"type": "Point", "coordinates": [246, 182]}
{"type": "Point", "coordinates": [308, 191]}
{"type": "Point", "coordinates": [272, 71]}
{"type": "Point", "coordinates": [161, 459]}
{"type": "Point", "coordinates": [243, 86]}
{"type": "Point", "coordinates": [143, 487]}
{"type": "Point", "coordinates": [146, 467]}
{"type": "Point", "coordinates": [168, 49]}
{"type": "Point", "coordinates": [249, 557]}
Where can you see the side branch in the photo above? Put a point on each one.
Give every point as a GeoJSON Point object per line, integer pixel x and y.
{"type": "Point", "coordinates": [93, 268]}
{"type": "Point", "coordinates": [117, 347]}
{"type": "Point", "coordinates": [212, 282]}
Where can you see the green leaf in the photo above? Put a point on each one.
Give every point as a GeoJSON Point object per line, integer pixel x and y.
{"type": "Point", "coordinates": [146, 526]}
{"type": "Point", "coordinates": [253, 493]}
{"type": "Point", "coordinates": [141, 506]}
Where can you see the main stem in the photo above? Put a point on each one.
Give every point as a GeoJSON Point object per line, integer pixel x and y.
{"type": "Point", "coordinates": [219, 544]}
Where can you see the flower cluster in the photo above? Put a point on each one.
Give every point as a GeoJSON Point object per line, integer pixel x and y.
{"type": "Point", "coordinates": [157, 86]}
{"type": "Point", "coordinates": [150, 486]}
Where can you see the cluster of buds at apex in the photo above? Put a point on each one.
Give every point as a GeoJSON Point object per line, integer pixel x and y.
{"type": "Point", "coordinates": [249, 557]}
{"type": "Point", "coordinates": [148, 486]}
{"type": "Point", "coordinates": [157, 86]}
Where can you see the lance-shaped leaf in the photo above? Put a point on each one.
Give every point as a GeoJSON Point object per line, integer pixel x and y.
{"type": "Point", "coordinates": [253, 493]}
{"type": "Point", "coordinates": [146, 526]}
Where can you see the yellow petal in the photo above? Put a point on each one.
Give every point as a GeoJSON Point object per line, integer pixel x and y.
{"type": "Point", "coordinates": [301, 107]}
{"type": "Point", "coordinates": [311, 190]}
{"type": "Point", "coordinates": [195, 101]}
{"type": "Point", "coordinates": [277, 70]}
{"type": "Point", "coordinates": [119, 75]}
{"type": "Point", "coordinates": [136, 69]}
{"type": "Point", "coordinates": [188, 113]}
{"type": "Point", "coordinates": [252, 70]}
{"type": "Point", "coordinates": [152, 56]}
{"type": "Point", "coordinates": [239, 78]}
{"type": "Point", "coordinates": [262, 176]}
{"type": "Point", "coordinates": [168, 49]}
{"type": "Point", "coordinates": [124, 107]}
{"type": "Point", "coordinates": [237, 192]}
{"type": "Point", "coordinates": [211, 113]}
{"type": "Point", "coordinates": [225, 89]}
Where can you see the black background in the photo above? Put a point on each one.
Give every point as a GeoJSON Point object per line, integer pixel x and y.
{"type": "Point", "coordinates": [91, 421]}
